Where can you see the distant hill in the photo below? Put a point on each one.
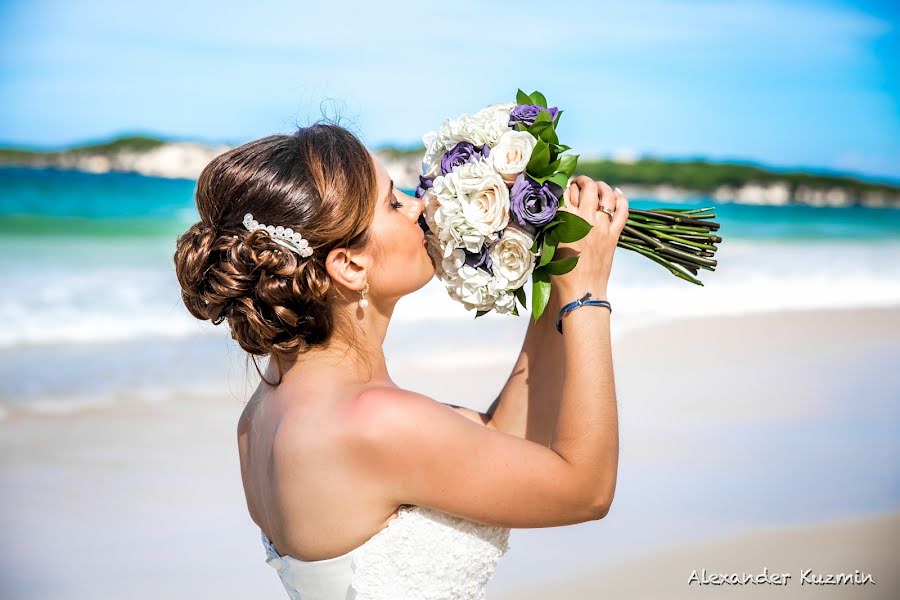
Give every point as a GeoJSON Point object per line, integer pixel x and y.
{"type": "Point", "coordinates": [662, 179]}
{"type": "Point", "coordinates": [725, 182]}
{"type": "Point", "coordinates": [139, 154]}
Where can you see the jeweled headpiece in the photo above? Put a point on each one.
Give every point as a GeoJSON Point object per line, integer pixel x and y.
{"type": "Point", "coordinates": [282, 236]}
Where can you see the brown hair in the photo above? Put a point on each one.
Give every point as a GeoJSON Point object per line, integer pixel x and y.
{"type": "Point", "coordinates": [319, 181]}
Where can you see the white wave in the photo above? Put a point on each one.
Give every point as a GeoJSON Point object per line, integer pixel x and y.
{"type": "Point", "coordinates": [102, 303]}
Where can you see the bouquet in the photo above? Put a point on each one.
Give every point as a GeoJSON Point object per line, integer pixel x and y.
{"type": "Point", "coordinates": [492, 184]}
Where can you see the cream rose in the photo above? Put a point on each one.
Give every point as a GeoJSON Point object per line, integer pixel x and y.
{"type": "Point", "coordinates": [512, 257]}
{"type": "Point", "coordinates": [512, 154]}
{"type": "Point", "coordinates": [473, 198]}
{"type": "Point", "coordinates": [487, 208]}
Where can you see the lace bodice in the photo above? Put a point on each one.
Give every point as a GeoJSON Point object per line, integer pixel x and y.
{"type": "Point", "coordinates": [421, 554]}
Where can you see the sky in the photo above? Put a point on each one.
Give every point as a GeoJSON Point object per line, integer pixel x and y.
{"type": "Point", "coordinates": [809, 85]}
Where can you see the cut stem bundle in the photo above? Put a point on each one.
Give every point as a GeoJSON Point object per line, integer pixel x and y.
{"type": "Point", "coordinates": [679, 239]}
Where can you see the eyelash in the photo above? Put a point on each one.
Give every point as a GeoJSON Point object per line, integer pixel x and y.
{"type": "Point", "coordinates": [396, 205]}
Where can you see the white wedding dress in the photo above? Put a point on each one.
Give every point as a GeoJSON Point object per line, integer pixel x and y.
{"type": "Point", "coordinates": [422, 554]}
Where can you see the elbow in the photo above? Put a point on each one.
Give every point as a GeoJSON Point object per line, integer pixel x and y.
{"type": "Point", "coordinates": [600, 508]}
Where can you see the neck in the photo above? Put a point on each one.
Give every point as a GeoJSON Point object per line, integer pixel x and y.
{"type": "Point", "coordinates": [363, 362]}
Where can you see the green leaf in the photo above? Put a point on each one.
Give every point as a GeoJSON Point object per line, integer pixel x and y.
{"type": "Point", "coordinates": [540, 292]}
{"type": "Point", "coordinates": [556, 220]}
{"type": "Point", "coordinates": [571, 229]}
{"type": "Point", "coordinates": [481, 312]}
{"type": "Point", "coordinates": [515, 309]}
{"type": "Point", "coordinates": [562, 266]}
{"type": "Point", "coordinates": [538, 129]}
{"type": "Point", "coordinates": [545, 171]}
{"type": "Point", "coordinates": [548, 248]}
{"type": "Point", "coordinates": [549, 135]}
{"type": "Point", "coordinates": [520, 294]}
{"type": "Point", "coordinates": [540, 156]}
{"type": "Point", "coordinates": [560, 148]}
{"type": "Point", "coordinates": [543, 117]}
{"type": "Point", "coordinates": [559, 178]}
{"type": "Point", "coordinates": [522, 98]}
{"type": "Point", "coordinates": [538, 98]}
{"type": "Point", "coordinates": [556, 122]}
{"type": "Point", "coordinates": [567, 166]}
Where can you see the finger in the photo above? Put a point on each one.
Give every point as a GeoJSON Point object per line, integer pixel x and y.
{"type": "Point", "coordinates": [621, 215]}
{"type": "Point", "coordinates": [607, 195]}
{"type": "Point", "coordinates": [573, 194]}
{"type": "Point", "coordinates": [588, 197]}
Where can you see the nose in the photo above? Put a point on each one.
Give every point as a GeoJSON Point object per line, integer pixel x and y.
{"type": "Point", "coordinates": [418, 207]}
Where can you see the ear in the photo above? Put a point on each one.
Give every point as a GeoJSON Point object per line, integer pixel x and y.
{"type": "Point", "coordinates": [348, 268]}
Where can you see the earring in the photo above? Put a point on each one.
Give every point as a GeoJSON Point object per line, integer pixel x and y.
{"type": "Point", "coordinates": [363, 302]}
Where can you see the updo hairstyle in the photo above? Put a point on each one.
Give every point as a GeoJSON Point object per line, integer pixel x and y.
{"type": "Point", "coordinates": [319, 181]}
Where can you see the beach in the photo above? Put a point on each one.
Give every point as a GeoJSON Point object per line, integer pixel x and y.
{"type": "Point", "coordinates": [768, 439]}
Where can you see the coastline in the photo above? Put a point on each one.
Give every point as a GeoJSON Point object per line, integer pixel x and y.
{"type": "Point", "coordinates": [185, 160]}
{"type": "Point", "coordinates": [151, 489]}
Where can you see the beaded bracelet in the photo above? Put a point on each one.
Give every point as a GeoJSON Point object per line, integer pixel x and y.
{"type": "Point", "coordinates": [579, 303]}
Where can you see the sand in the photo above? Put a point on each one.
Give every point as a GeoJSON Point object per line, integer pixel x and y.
{"type": "Point", "coordinates": [747, 441]}
{"type": "Point", "coordinates": [793, 562]}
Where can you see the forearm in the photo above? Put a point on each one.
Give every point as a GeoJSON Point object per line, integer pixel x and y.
{"type": "Point", "coordinates": [528, 404]}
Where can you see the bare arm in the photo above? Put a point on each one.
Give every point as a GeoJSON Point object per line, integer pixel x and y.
{"type": "Point", "coordinates": [528, 404]}
{"type": "Point", "coordinates": [409, 449]}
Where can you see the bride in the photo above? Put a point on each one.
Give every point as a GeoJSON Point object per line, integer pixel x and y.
{"type": "Point", "coordinates": [362, 489]}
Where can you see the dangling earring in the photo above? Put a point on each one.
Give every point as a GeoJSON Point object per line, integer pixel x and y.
{"type": "Point", "coordinates": [363, 302]}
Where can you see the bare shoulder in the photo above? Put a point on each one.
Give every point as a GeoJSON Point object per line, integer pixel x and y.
{"type": "Point", "coordinates": [412, 449]}
{"type": "Point", "coordinates": [378, 411]}
{"type": "Point", "coordinates": [403, 408]}
{"type": "Point", "coordinates": [380, 425]}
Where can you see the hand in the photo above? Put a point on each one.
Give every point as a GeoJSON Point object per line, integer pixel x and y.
{"type": "Point", "coordinates": [584, 197]}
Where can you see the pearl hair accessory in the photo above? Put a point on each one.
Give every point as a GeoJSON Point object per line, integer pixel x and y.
{"type": "Point", "coordinates": [286, 237]}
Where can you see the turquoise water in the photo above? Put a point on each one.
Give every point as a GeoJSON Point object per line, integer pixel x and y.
{"type": "Point", "coordinates": [50, 202]}
{"type": "Point", "coordinates": [87, 263]}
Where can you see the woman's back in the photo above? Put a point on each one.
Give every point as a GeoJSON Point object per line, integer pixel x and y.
{"type": "Point", "coordinates": [317, 508]}
{"type": "Point", "coordinates": [310, 503]}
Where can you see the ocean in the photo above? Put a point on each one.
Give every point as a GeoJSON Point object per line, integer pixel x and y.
{"type": "Point", "coordinates": [90, 313]}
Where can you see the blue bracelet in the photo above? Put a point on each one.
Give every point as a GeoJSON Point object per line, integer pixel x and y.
{"type": "Point", "coordinates": [578, 303]}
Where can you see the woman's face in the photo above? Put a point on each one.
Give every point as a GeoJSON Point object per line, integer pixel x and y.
{"type": "Point", "coordinates": [404, 265]}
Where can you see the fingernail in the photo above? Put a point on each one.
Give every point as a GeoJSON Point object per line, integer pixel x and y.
{"type": "Point", "coordinates": [618, 190]}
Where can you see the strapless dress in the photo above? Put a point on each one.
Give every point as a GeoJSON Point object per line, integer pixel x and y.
{"type": "Point", "coordinates": [422, 554]}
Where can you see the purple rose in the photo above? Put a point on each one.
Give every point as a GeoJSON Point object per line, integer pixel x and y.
{"type": "Point", "coordinates": [531, 203]}
{"type": "Point", "coordinates": [482, 259]}
{"type": "Point", "coordinates": [462, 153]}
{"type": "Point", "coordinates": [527, 113]}
{"type": "Point", "coordinates": [424, 185]}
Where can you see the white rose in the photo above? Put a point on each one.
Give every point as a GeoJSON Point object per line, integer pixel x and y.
{"type": "Point", "coordinates": [505, 303]}
{"type": "Point", "coordinates": [465, 128]}
{"type": "Point", "coordinates": [496, 121]}
{"type": "Point", "coordinates": [474, 288]}
{"type": "Point", "coordinates": [512, 154]}
{"type": "Point", "coordinates": [487, 208]}
{"type": "Point", "coordinates": [470, 206]}
{"type": "Point", "coordinates": [431, 162]}
{"type": "Point", "coordinates": [512, 258]}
